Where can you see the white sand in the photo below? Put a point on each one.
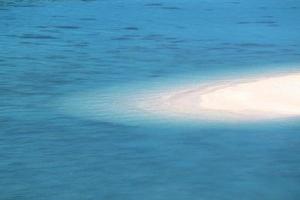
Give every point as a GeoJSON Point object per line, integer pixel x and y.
{"type": "Point", "coordinates": [265, 98]}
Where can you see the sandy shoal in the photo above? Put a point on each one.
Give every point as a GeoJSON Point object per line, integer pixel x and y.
{"type": "Point", "coordinates": [263, 98]}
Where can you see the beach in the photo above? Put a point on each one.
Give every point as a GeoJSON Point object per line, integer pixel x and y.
{"type": "Point", "coordinates": [245, 99]}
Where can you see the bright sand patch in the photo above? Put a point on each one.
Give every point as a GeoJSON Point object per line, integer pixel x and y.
{"type": "Point", "coordinates": [265, 98]}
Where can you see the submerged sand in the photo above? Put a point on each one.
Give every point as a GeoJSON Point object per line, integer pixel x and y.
{"type": "Point", "coordinates": [264, 98]}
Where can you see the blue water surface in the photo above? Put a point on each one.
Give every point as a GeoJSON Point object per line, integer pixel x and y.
{"type": "Point", "coordinates": [50, 50]}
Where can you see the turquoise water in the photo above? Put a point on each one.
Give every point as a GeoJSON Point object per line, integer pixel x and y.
{"type": "Point", "coordinates": [52, 51]}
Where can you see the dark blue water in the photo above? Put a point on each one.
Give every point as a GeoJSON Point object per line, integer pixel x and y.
{"type": "Point", "coordinates": [50, 50]}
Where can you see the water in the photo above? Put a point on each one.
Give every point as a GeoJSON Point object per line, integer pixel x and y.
{"type": "Point", "coordinates": [53, 50]}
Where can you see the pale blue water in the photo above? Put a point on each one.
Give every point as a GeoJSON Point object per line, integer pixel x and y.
{"type": "Point", "coordinates": [52, 49]}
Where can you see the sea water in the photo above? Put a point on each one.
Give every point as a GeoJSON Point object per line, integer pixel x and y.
{"type": "Point", "coordinates": [67, 66]}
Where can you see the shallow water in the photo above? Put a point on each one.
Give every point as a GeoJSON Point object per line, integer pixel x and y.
{"type": "Point", "coordinates": [54, 50]}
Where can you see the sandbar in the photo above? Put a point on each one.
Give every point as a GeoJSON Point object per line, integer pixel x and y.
{"type": "Point", "coordinates": [246, 99]}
